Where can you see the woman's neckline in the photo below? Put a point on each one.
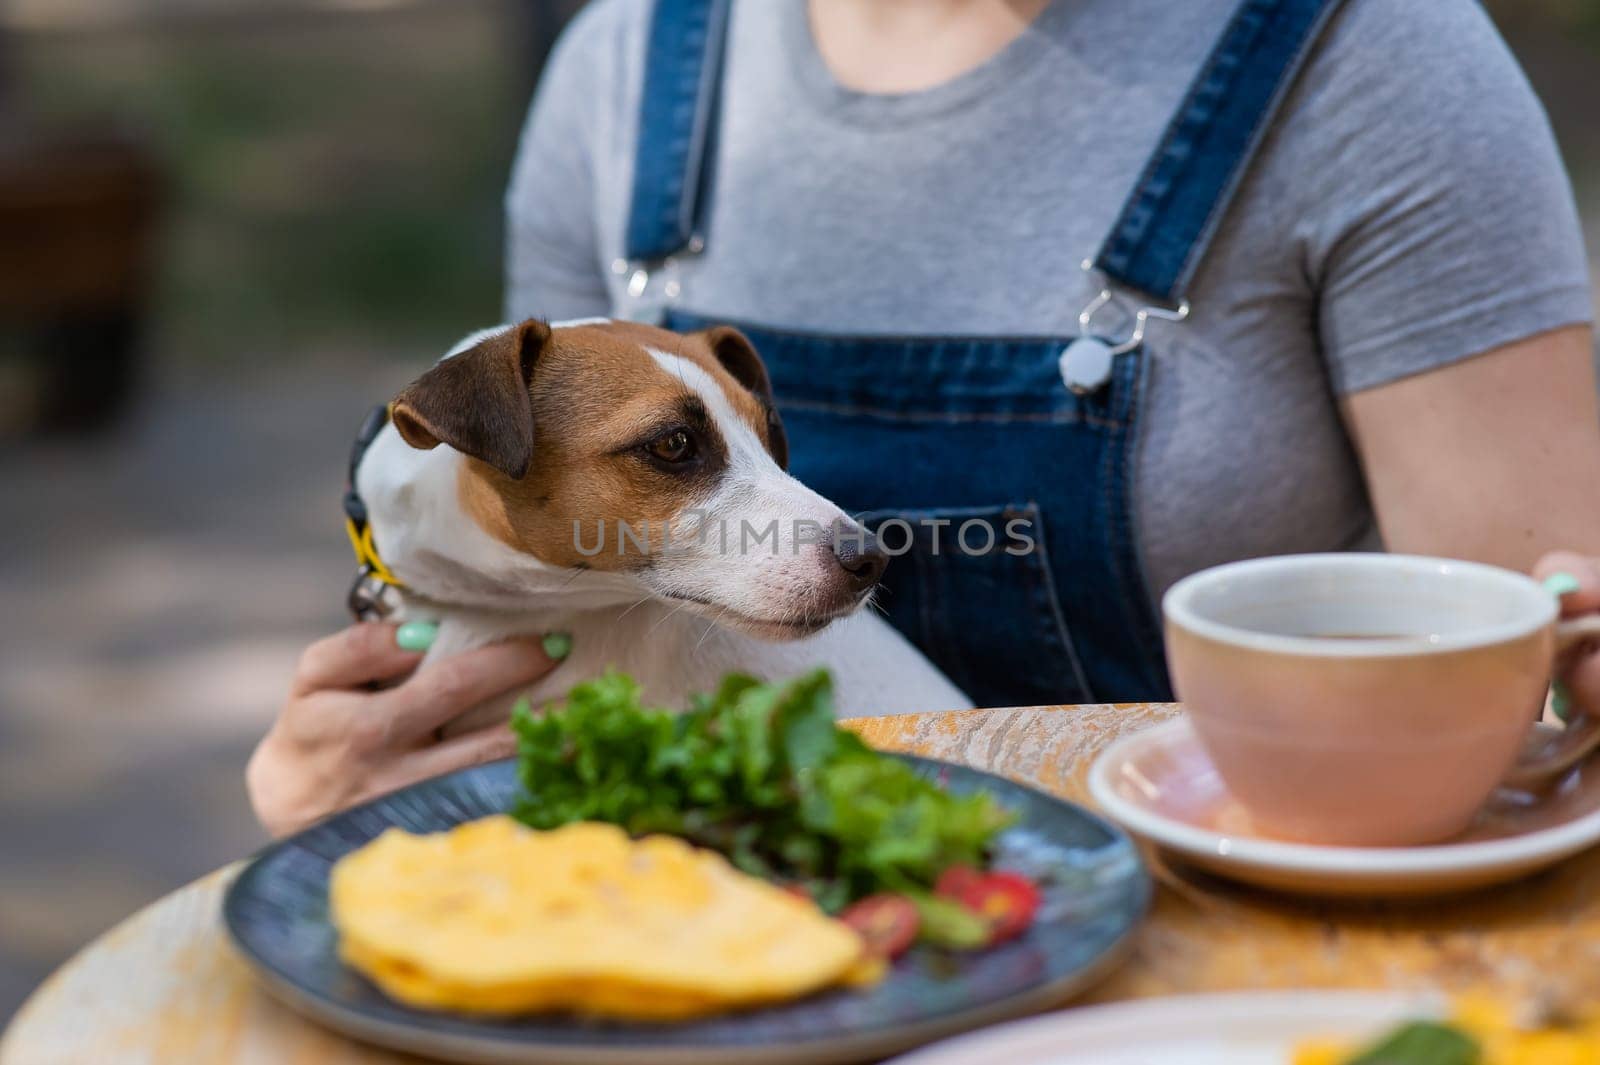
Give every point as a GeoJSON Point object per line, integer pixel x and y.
{"type": "Point", "coordinates": [819, 84]}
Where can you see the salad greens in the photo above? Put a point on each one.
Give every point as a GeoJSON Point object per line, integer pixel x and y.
{"type": "Point", "coordinates": [1422, 1043]}
{"type": "Point", "coordinates": [759, 772]}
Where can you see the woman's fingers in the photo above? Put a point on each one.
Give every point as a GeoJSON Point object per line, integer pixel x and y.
{"type": "Point", "coordinates": [449, 688]}
{"type": "Point", "coordinates": [1576, 577]}
{"type": "Point", "coordinates": [472, 748]}
{"type": "Point", "coordinates": [1579, 684]}
{"type": "Point", "coordinates": [355, 656]}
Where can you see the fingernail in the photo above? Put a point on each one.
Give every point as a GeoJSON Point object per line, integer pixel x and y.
{"type": "Point", "coordinates": [557, 645]}
{"type": "Point", "coordinates": [1563, 583]}
{"type": "Point", "coordinates": [416, 635]}
{"type": "Point", "coordinates": [1561, 701]}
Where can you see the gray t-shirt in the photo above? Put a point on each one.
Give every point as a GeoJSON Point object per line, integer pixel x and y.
{"type": "Point", "coordinates": [1409, 209]}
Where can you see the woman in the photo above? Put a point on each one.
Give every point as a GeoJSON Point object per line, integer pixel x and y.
{"type": "Point", "coordinates": [1368, 311]}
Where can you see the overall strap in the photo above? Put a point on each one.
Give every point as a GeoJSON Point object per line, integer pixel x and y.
{"type": "Point", "coordinates": [1164, 228]}
{"type": "Point", "coordinates": [677, 126]}
{"type": "Point", "coordinates": [1174, 210]}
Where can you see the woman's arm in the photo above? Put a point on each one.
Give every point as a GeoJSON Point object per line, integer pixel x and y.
{"type": "Point", "coordinates": [1439, 241]}
{"type": "Point", "coordinates": [1495, 458]}
{"type": "Point", "coordinates": [553, 258]}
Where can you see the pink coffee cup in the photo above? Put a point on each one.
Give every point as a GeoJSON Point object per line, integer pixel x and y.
{"type": "Point", "coordinates": [1369, 699]}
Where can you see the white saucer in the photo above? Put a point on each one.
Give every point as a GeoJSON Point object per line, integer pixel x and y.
{"type": "Point", "coordinates": [1255, 1028]}
{"type": "Point", "coordinates": [1160, 784]}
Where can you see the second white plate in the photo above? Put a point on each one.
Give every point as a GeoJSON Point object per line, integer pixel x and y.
{"type": "Point", "coordinates": [1254, 1028]}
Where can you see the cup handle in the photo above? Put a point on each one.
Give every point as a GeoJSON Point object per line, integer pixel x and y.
{"type": "Point", "coordinates": [1551, 753]}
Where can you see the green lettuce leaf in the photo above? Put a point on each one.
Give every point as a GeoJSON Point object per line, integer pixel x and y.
{"type": "Point", "coordinates": [760, 772]}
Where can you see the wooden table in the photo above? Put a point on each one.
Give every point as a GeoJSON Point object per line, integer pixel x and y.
{"type": "Point", "coordinates": [163, 988]}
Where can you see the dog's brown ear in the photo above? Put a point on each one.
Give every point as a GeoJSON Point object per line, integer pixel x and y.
{"type": "Point", "coordinates": [478, 401]}
{"type": "Point", "coordinates": [738, 356]}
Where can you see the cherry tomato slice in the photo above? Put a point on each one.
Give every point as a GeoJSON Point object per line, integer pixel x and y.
{"type": "Point", "coordinates": [1007, 901]}
{"type": "Point", "coordinates": [956, 881]}
{"type": "Point", "coordinates": [888, 922]}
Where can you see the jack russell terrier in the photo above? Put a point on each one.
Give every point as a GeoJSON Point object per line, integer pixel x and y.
{"type": "Point", "coordinates": [626, 485]}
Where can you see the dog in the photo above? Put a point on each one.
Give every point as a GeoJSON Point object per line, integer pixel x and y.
{"type": "Point", "coordinates": [627, 485]}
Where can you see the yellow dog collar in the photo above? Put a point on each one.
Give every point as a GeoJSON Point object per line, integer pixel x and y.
{"type": "Point", "coordinates": [365, 600]}
{"type": "Point", "coordinates": [367, 554]}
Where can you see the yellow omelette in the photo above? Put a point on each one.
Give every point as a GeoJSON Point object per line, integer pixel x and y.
{"type": "Point", "coordinates": [494, 917]}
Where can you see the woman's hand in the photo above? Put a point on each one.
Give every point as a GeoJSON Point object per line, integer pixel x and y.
{"type": "Point", "coordinates": [1576, 578]}
{"type": "Point", "coordinates": [336, 742]}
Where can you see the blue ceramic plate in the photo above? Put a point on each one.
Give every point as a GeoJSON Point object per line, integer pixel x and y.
{"type": "Point", "coordinates": [1095, 892]}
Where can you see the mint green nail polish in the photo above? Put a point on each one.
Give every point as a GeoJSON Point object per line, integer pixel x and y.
{"type": "Point", "coordinates": [1561, 584]}
{"type": "Point", "coordinates": [1561, 701]}
{"type": "Point", "coordinates": [557, 645]}
{"type": "Point", "coordinates": [416, 635]}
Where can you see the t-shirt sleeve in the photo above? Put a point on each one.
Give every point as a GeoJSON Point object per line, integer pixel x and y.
{"type": "Point", "coordinates": [553, 267]}
{"type": "Point", "coordinates": [1439, 222]}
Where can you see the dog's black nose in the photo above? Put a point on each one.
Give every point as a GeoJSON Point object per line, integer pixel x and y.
{"type": "Point", "coordinates": [861, 556]}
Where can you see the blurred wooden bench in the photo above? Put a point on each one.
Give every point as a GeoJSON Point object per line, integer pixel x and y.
{"type": "Point", "coordinates": [78, 214]}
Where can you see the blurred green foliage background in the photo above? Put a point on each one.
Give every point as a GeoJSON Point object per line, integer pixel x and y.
{"type": "Point", "coordinates": [335, 177]}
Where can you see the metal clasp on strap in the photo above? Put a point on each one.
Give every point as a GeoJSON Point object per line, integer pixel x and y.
{"type": "Point", "coordinates": [1141, 315]}
{"type": "Point", "coordinates": [648, 306]}
{"type": "Point", "coordinates": [1086, 362]}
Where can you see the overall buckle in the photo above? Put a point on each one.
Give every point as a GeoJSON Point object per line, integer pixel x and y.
{"type": "Point", "coordinates": [1086, 362]}
{"type": "Point", "coordinates": [645, 304]}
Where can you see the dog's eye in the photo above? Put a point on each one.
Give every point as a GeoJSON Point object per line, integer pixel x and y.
{"type": "Point", "coordinates": [676, 446]}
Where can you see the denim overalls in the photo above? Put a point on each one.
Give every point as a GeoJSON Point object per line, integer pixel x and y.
{"type": "Point", "coordinates": [933, 440]}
